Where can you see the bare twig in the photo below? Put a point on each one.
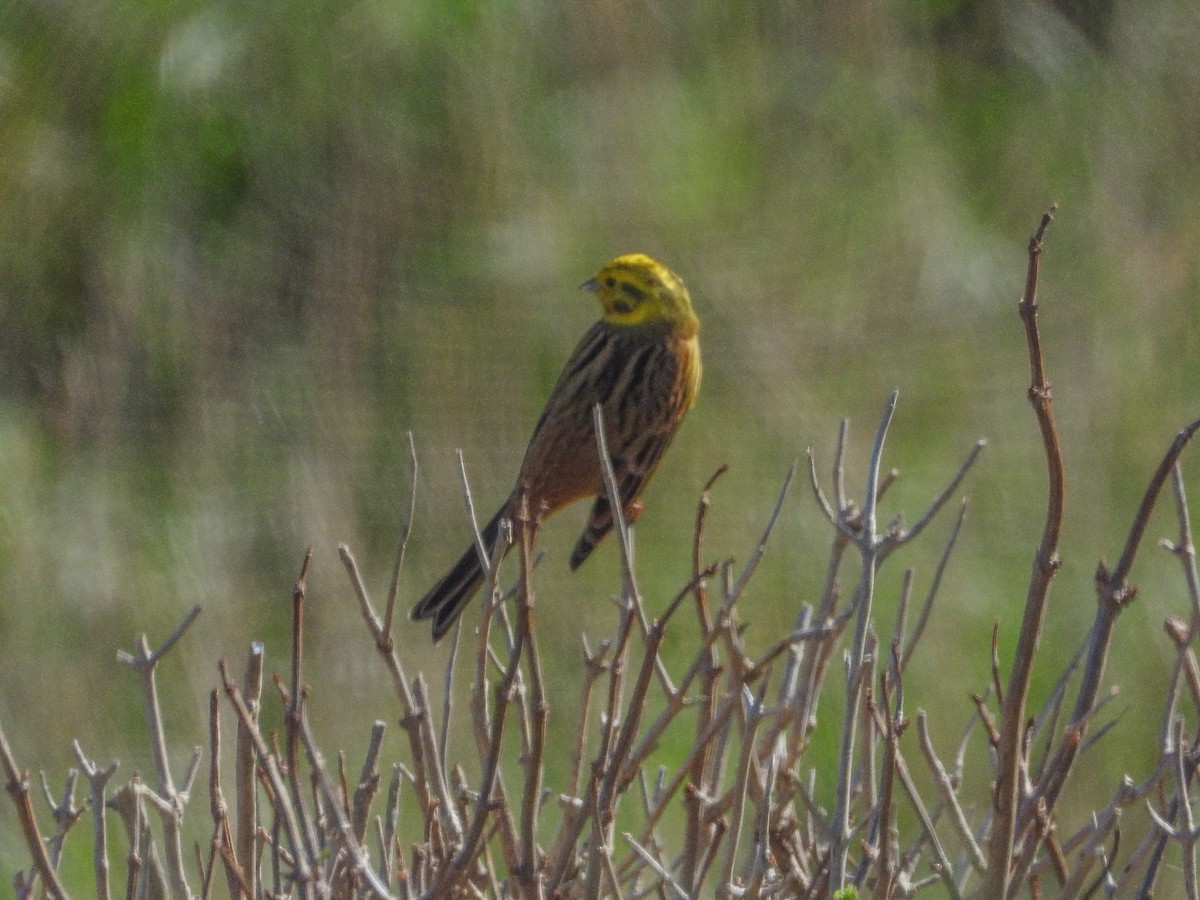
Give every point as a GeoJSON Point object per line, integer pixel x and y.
{"type": "Point", "coordinates": [281, 795]}
{"type": "Point", "coordinates": [949, 796]}
{"type": "Point", "coordinates": [754, 715]}
{"type": "Point", "coordinates": [245, 766]}
{"type": "Point", "coordinates": [707, 667]}
{"type": "Point", "coordinates": [1113, 595]}
{"type": "Point", "coordinates": [218, 809]}
{"type": "Point", "coordinates": [659, 869]}
{"type": "Point", "coordinates": [904, 536]}
{"type": "Point", "coordinates": [145, 662]}
{"type": "Point", "coordinates": [343, 827]}
{"type": "Point", "coordinates": [293, 701]}
{"type": "Point", "coordinates": [868, 543]}
{"type": "Point", "coordinates": [18, 789]}
{"type": "Point", "coordinates": [927, 606]}
{"type": "Point", "coordinates": [430, 781]}
{"type": "Point", "coordinates": [368, 782]}
{"type": "Point", "coordinates": [539, 709]}
{"type": "Point", "coordinates": [625, 539]}
{"type": "Point", "coordinates": [64, 811]}
{"type": "Point", "coordinates": [98, 781]}
{"type": "Point", "coordinates": [401, 545]}
{"type": "Point", "coordinates": [450, 876]}
{"type": "Point", "coordinates": [1045, 566]}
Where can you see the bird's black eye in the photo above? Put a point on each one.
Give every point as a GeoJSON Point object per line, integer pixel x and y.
{"type": "Point", "coordinates": [610, 281]}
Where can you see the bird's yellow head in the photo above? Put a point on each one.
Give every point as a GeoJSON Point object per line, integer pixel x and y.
{"type": "Point", "coordinates": [635, 289]}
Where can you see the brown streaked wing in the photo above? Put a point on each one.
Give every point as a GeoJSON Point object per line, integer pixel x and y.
{"type": "Point", "coordinates": [648, 413]}
{"type": "Point", "coordinates": [561, 464]}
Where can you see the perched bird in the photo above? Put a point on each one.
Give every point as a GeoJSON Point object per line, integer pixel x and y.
{"type": "Point", "coordinates": [641, 363]}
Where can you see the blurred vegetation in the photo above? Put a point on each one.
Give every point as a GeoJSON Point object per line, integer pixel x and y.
{"type": "Point", "coordinates": [245, 247]}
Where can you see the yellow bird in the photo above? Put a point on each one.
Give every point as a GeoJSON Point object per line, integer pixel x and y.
{"type": "Point", "coordinates": [641, 363]}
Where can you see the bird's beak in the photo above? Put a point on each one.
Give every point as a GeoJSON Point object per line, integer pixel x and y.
{"type": "Point", "coordinates": [591, 286]}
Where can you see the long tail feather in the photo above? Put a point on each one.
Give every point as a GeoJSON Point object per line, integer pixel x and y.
{"type": "Point", "coordinates": [446, 599]}
{"type": "Point", "coordinates": [599, 524]}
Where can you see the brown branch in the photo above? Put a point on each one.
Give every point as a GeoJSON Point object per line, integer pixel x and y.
{"type": "Point", "coordinates": [1045, 565]}
{"type": "Point", "coordinates": [753, 712]}
{"type": "Point", "coordinates": [1114, 582]}
{"type": "Point", "coordinates": [281, 796]}
{"type": "Point", "coordinates": [927, 607]}
{"type": "Point", "coordinates": [339, 825]}
{"type": "Point", "coordinates": [624, 540]}
{"type": "Point", "coordinates": [293, 703]}
{"type": "Point", "coordinates": [869, 544]}
{"type": "Point", "coordinates": [401, 545]}
{"type": "Point", "coordinates": [451, 875]}
{"type": "Point", "coordinates": [218, 808]}
{"type": "Point", "coordinates": [539, 710]}
{"type": "Point", "coordinates": [18, 789]}
{"type": "Point", "coordinates": [709, 671]}
{"type": "Point", "coordinates": [245, 766]}
{"type": "Point", "coordinates": [170, 801]}
{"type": "Point", "coordinates": [1113, 595]}
{"type": "Point", "coordinates": [98, 780]}
{"type": "Point", "coordinates": [430, 781]}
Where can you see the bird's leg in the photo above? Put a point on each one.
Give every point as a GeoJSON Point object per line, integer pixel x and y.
{"type": "Point", "coordinates": [632, 511]}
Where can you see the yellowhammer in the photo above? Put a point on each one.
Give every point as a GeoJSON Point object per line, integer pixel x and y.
{"type": "Point", "coordinates": [641, 363]}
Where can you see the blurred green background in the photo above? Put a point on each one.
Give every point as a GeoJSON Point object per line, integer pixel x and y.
{"type": "Point", "coordinates": [245, 247]}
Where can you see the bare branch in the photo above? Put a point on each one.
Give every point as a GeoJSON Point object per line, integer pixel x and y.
{"type": "Point", "coordinates": [18, 789]}
{"type": "Point", "coordinates": [389, 609]}
{"type": "Point", "coordinates": [1045, 566]}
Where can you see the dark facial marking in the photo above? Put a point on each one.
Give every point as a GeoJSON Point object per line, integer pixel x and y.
{"type": "Point", "coordinates": [636, 294]}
